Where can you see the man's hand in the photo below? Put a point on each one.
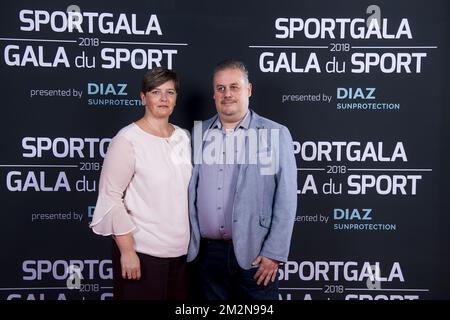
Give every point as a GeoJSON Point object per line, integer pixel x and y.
{"type": "Point", "coordinates": [267, 270]}
{"type": "Point", "coordinates": [131, 266]}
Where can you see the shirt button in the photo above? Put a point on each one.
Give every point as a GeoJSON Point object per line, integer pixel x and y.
{"type": "Point", "coordinates": [219, 188]}
{"type": "Point", "coordinates": [221, 227]}
{"type": "Point", "coordinates": [218, 208]}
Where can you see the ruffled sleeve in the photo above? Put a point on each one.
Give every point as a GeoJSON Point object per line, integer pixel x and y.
{"type": "Point", "coordinates": [110, 215]}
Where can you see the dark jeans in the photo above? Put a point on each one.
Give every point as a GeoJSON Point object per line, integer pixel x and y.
{"type": "Point", "coordinates": [220, 277]}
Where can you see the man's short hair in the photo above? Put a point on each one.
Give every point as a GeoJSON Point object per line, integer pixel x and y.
{"type": "Point", "coordinates": [232, 64]}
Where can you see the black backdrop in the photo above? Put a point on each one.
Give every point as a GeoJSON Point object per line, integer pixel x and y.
{"type": "Point", "coordinates": [387, 242]}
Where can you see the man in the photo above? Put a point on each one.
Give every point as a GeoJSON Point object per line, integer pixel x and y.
{"type": "Point", "coordinates": [242, 195]}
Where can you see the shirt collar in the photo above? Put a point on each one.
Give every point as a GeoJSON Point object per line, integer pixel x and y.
{"type": "Point", "coordinates": [244, 123]}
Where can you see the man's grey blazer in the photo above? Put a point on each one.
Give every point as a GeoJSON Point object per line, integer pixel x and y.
{"type": "Point", "coordinates": [265, 202]}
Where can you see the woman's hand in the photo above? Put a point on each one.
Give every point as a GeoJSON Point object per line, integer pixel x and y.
{"type": "Point", "coordinates": [129, 260]}
{"type": "Point", "coordinates": [130, 264]}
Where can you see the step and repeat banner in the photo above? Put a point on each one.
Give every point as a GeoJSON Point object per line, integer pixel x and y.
{"type": "Point", "coordinates": [363, 87]}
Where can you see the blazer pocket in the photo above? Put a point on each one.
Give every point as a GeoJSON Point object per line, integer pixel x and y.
{"type": "Point", "coordinates": [265, 221]}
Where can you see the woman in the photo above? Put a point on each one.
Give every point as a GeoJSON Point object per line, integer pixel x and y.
{"type": "Point", "coordinates": [143, 200]}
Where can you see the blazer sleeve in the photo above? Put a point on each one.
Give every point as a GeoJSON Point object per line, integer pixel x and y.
{"type": "Point", "coordinates": [110, 215]}
{"type": "Point", "coordinates": [277, 244]}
